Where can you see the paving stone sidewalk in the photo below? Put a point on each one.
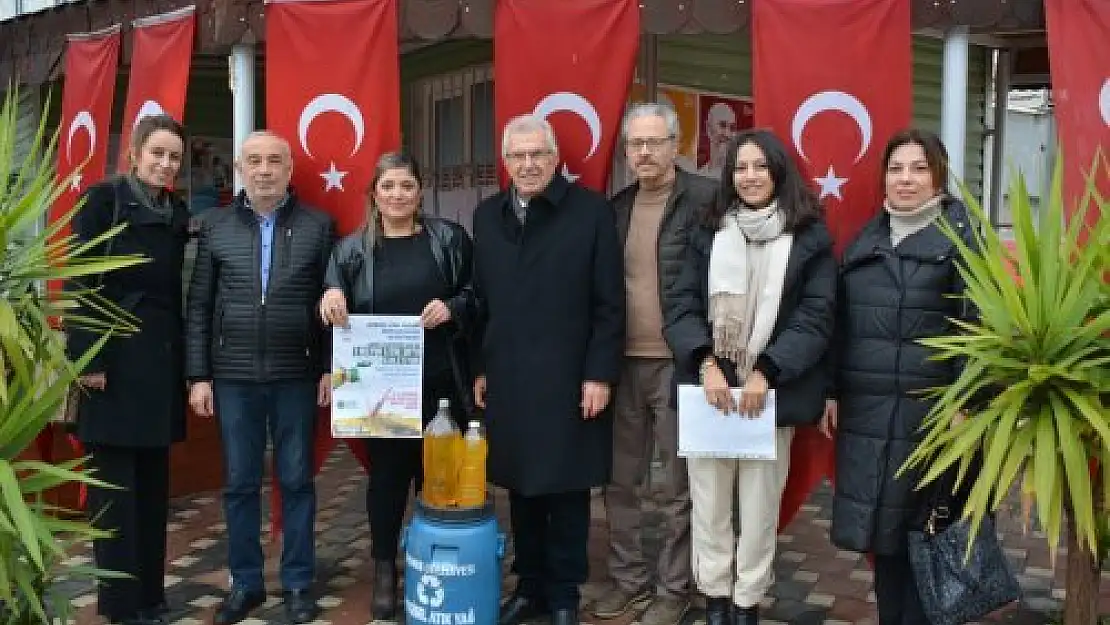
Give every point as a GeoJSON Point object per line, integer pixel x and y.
{"type": "Point", "coordinates": [815, 583]}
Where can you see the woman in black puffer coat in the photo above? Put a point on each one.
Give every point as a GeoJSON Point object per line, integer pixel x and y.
{"type": "Point", "coordinates": [899, 283]}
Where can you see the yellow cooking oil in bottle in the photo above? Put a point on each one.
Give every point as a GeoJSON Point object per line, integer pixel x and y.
{"type": "Point", "coordinates": [472, 473]}
{"type": "Point", "coordinates": [442, 444]}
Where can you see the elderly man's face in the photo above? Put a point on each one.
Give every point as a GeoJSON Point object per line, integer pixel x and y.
{"type": "Point", "coordinates": [722, 127]}
{"type": "Point", "coordinates": [266, 166]}
{"type": "Point", "coordinates": [531, 162]}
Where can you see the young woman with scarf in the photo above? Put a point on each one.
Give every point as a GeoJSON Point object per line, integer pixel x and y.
{"type": "Point", "coordinates": [754, 311]}
{"type": "Point", "coordinates": [134, 407]}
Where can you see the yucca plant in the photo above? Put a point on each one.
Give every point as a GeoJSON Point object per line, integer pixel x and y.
{"type": "Point", "coordinates": [1035, 381]}
{"type": "Point", "coordinates": [35, 372]}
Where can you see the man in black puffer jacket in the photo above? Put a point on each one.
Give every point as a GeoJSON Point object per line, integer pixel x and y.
{"type": "Point", "coordinates": [256, 354]}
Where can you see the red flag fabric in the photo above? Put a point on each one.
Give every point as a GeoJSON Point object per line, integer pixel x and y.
{"type": "Point", "coordinates": [1079, 59]}
{"type": "Point", "coordinates": [335, 98]}
{"type": "Point", "coordinates": [571, 62]}
{"type": "Point", "coordinates": [835, 99]}
{"type": "Point", "coordinates": [160, 61]}
{"type": "Point", "coordinates": [87, 93]}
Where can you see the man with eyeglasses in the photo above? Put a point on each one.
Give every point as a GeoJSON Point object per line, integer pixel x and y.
{"type": "Point", "coordinates": [653, 217]}
{"type": "Point", "coordinates": [550, 293]}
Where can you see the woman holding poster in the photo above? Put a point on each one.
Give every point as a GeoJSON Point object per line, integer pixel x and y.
{"type": "Point", "coordinates": [753, 310]}
{"type": "Point", "coordinates": [403, 263]}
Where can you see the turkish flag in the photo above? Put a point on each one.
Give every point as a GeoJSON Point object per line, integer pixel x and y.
{"type": "Point", "coordinates": [1079, 58]}
{"type": "Point", "coordinates": [836, 99]}
{"type": "Point", "coordinates": [90, 85]}
{"type": "Point", "coordinates": [160, 60]}
{"type": "Point", "coordinates": [335, 98]}
{"type": "Point", "coordinates": [569, 61]}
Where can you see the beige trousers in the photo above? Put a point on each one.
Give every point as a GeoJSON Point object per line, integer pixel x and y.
{"type": "Point", "coordinates": [727, 565]}
{"type": "Point", "coordinates": [643, 419]}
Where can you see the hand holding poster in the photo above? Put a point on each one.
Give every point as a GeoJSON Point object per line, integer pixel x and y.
{"type": "Point", "coordinates": [377, 373]}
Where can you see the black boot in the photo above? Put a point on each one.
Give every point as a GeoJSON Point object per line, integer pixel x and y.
{"type": "Point", "coordinates": [745, 616]}
{"type": "Point", "coordinates": [384, 606]}
{"type": "Point", "coordinates": [718, 611]}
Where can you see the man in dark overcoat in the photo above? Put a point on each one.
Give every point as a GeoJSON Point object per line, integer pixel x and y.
{"type": "Point", "coordinates": [550, 284]}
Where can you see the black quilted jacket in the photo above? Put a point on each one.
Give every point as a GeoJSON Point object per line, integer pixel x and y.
{"type": "Point", "coordinates": [234, 331]}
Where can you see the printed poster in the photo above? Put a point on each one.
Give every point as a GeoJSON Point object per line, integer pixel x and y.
{"type": "Point", "coordinates": [720, 119]}
{"type": "Point", "coordinates": [377, 374]}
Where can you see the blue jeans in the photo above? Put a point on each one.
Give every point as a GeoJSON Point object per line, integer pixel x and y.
{"type": "Point", "coordinates": [288, 409]}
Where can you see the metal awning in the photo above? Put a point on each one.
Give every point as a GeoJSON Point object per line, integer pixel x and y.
{"type": "Point", "coordinates": [31, 46]}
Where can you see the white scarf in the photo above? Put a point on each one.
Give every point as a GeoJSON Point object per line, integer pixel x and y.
{"type": "Point", "coordinates": [747, 272]}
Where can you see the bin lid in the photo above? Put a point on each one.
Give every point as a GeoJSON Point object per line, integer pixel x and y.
{"type": "Point", "coordinates": [454, 514]}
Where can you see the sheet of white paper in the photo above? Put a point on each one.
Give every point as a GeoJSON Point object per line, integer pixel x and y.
{"type": "Point", "coordinates": [704, 432]}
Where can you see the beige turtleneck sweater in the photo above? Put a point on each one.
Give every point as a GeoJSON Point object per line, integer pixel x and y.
{"type": "Point", "coordinates": [904, 223]}
{"type": "Point", "coordinates": [644, 327]}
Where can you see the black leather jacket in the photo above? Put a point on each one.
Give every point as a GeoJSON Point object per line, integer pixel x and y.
{"type": "Point", "coordinates": [351, 269]}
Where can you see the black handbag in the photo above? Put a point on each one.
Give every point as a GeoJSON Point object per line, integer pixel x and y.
{"type": "Point", "coordinates": [957, 587]}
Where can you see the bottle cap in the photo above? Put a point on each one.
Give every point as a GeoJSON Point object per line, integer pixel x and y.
{"type": "Point", "coordinates": [444, 403]}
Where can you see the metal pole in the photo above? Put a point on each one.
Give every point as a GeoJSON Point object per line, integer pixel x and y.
{"type": "Point", "coordinates": [998, 146]}
{"type": "Point", "coordinates": [953, 116]}
{"type": "Point", "coordinates": [650, 59]}
{"type": "Point", "coordinates": [241, 78]}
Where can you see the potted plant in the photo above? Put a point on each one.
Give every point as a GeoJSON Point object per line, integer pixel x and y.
{"type": "Point", "coordinates": [35, 372]}
{"type": "Point", "coordinates": [1035, 378]}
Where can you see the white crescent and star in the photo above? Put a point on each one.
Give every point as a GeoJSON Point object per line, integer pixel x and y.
{"type": "Point", "coordinates": [1104, 102]}
{"type": "Point", "coordinates": [149, 108]}
{"type": "Point", "coordinates": [566, 101]}
{"type": "Point", "coordinates": [331, 103]}
{"type": "Point", "coordinates": [822, 102]}
{"type": "Point", "coordinates": [83, 119]}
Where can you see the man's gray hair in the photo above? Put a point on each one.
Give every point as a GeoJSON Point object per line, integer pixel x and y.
{"type": "Point", "coordinates": [267, 134]}
{"type": "Point", "coordinates": [652, 109]}
{"type": "Point", "coordinates": [522, 124]}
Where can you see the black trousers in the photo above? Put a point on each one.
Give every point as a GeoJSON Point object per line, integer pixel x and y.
{"type": "Point", "coordinates": [550, 533]}
{"type": "Point", "coordinates": [136, 514]}
{"type": "Point", "coordinates": [896, 591]}
{"type": "Point", "coordinates": [396, 469]}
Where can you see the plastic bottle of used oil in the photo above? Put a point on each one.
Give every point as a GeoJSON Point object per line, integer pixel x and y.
{"type": "Point", "coordinates": [472, 474]}
{"type": "Point", "coordinates": [442, 447]}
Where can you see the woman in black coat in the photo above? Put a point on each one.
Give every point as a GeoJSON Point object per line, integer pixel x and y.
{"type": "Point", "coordinates": [401, 263]}
{"type": "Point", "coordinates": [134, 407]}
{"type": "Point", "coordinates": [899, 283]}
{"type": "Point", "coordinates": [754, 310]}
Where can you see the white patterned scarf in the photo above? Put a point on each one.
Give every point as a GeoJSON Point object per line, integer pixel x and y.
{"type": "Point", "coordinates": [747, 272]}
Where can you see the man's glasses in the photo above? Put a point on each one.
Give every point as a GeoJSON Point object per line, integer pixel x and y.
{"type": "Point", "coordinates": [653, 144]}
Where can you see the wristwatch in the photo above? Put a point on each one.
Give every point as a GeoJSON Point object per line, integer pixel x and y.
{"type": "Point", "coordinates": [709, 361]}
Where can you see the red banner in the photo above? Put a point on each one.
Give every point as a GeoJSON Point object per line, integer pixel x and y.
{"type": "Point", "coordinates": [836, 99]}
{"type": "Point", "coordinates": [90, 85]}
{"type": "Point", "coordinates": [336, 98]}
{"type": "Point", "coordinates": [1079, 58]}
{"type": "Point", "coordinates": [571, 62]}
{"type": "Point", "coordinates": [160, 60]}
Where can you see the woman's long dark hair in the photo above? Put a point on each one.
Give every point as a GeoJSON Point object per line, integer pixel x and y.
{"type": "Point", "coordinates": [796, 199]}
{"type": "Point", "coordinates": [387, 161]}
